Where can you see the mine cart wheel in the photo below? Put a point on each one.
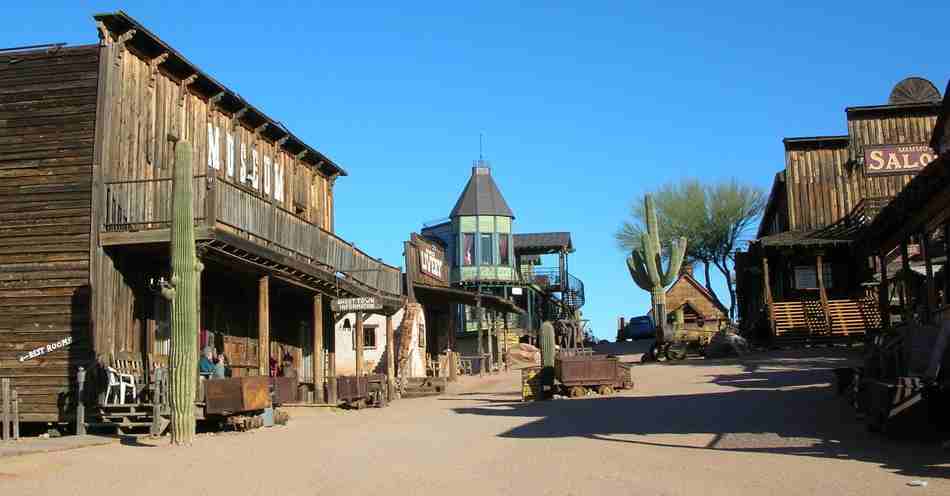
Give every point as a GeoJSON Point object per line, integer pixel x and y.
{"type": "Point", "coordinates": [605, 390]}
{"type": "Point", "coordinates": [578, 391]}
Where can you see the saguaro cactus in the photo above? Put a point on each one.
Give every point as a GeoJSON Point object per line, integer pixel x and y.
{"type": "Point", "coordinates": [646, 268]}
{"type": "Point", "coordinates": [186, 269]}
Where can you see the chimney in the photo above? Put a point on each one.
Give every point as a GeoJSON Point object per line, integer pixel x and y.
{"type": "Point", "coordinates": [687, 268]}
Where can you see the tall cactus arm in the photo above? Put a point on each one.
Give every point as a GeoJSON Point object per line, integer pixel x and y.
{"type": "Point", "coordinates": [677, 253]}
{"type": "Point", "coordinates": [653, 227]}
{"type": "Point", "coordinates": [635, 264]}
{"type": "Point", "coordinates": [651, 255]}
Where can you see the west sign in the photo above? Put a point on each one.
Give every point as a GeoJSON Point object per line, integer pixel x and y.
{"type": "Point", "coordinates": [882, 160]}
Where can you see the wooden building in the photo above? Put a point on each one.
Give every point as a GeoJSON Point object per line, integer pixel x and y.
{"type": "Point", "coordinates": [701, 309]}
{"type": "Point", "coordinates": [85, 209]}
{"type": "Point", "coordinates": [800, 277]}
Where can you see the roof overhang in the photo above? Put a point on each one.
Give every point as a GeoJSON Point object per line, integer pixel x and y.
{"type": "Point", "coordinates": [148, 45]}
{"type": "Point", "coordinates": [448, 296]}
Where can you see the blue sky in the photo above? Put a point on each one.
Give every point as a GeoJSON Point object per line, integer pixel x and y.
{"type": "Point", "coordinates": [584, 105]}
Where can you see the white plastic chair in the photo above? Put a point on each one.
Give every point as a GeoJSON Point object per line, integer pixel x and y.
{"type": "Point", "coordinates": [122, 384]}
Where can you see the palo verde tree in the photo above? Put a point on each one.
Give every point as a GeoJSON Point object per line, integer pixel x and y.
{"type": "Point", "coordinates": [716, 218]}
{"type": "Point", "coordinates": [186, 269]}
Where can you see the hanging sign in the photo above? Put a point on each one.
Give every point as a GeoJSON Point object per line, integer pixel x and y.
{"type": "Point", "coordinates": [42, 350]}
{"type": "Point", "coordinates": [883, 160]}
{"type": "Point", "coordinates": [430, 260]}
{"type": "Point", "coordinates": [346, 305]}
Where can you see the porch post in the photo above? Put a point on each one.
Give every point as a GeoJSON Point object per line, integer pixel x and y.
{"type": "Point", "coordinates": [768, 293]}
{"type": "Point", "coordinates": [481, 336]}
{"type": "Point", "coordinates": [359, 344]}
{"type": "Point", "coordinates": [946, 265]}
{"type": "Point", "coordinates": [884, 292]}
{"type": "Point", "coordinates": [263, 325]}
{"type": "Point", "coordinates": [931, 300]}
{"type": "Point", "coordinates": [331, 362]}
{"type": "Point", "coordinates": [821, 290]}
{"type": "Point", "coordinates": [505, 318]}
{"type": "Point", "coordinates": [453, 308]}
{"type": "Point", "coordinates": [491, 340]}
{"type": "Point", "coordinates": [316, 361]}
{"type": "Point", "coordinates": [390, 357]}
{"type": "Point", "coordinates": [907, 312]}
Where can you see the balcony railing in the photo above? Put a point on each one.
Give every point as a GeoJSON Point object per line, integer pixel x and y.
{"type": "Point", "coordinates": [549, 279]}
{"type": "Point", "coordinates": [146, 204]}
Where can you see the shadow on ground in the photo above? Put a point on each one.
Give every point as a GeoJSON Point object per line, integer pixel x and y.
{"type": "Point", "coordinates": [788, 412]}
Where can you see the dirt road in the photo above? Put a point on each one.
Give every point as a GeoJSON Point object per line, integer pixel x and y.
{"type": "Point", "coordinates": [767, 425]}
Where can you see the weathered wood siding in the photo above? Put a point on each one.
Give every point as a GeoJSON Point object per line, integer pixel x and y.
{"type": "Point", "coordinates": [148, 103]}
{"type": "Point", "coordinates": [47, 128]}
{"type": "Point", "coordinates": [684, 290]}
{"type": "Point", "coordinates": [825, 177]}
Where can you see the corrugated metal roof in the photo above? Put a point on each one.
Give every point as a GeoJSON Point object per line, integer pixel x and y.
{"type": "Point", "coordinates": [481, 196]}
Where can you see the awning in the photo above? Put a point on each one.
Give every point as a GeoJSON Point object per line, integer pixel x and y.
{"type": "Point", "coordinates": [448, 296]}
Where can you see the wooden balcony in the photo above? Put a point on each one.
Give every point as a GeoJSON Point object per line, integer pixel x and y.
{"type": "Point", "coordinates": [241, 223]}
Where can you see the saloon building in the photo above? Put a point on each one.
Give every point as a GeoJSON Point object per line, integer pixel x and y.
{"type": "Point", "coordinates": [803, 278]}
{"type": "Point", "coordinates": [85, 210]}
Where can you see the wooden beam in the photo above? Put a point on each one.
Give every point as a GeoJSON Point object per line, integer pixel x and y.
{"type": "Point", "coordinates": [317, 360]}
{"type": "Point", "coordinates": [768, 291]}
{"type": "Point", "coordinates": [883, 292]}
{"type": "Point", "coordinates": [946, 265]}
{"type": "Point", "coordinates": [263, 325]}
{"type": "Point", "coordinates": [822, 294]}
{"type": "Point", "coordinates": [906, 310]}
{"type": "Point", "coordinates": [390, 358]}
{"type": "Point", "coordinates": [359, 344]}
{"type": "Point", "coordinates": [931, 297]}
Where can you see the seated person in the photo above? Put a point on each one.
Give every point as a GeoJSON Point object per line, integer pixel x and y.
{"type": "Point", "coordinates": [206, 363]}
{"type": "Point", "coordinates": [220, 367]}
{"type": "Point", "coordinates": [288, 366]}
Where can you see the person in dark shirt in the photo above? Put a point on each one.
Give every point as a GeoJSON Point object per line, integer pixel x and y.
{"type": "Point", "coordinates": [206, 363]}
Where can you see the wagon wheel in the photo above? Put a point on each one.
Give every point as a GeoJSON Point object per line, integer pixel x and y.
{"type": "Point", "coordinates": [578, 391]}
{"type": "Point", "coordinates": [605, 390]}
{"type": "Point", "coordinates": [659, 352]}
{"type": "Point", "coordinates": [676, 352]}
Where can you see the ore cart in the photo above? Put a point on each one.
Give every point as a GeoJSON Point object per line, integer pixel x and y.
{"type": "Point", "coordinates": [604, 374]}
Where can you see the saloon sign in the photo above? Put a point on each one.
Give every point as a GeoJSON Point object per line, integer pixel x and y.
{"type": "Point", "coordinates": [882, 160]}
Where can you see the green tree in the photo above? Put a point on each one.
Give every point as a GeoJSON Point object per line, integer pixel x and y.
{"type": "Point", "coordinates": [716, 218]}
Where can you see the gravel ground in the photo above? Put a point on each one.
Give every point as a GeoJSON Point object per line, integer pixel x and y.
{"type": "Point", "coordinates": [768, 424]}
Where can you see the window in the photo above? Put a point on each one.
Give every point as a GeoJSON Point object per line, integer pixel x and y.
{"type": "Point", "coordinates": [486, 249]}
{"type": "Point", "coordinates": [503, 249]}
{"type": "Point", "coordinates": [468, 249]}
{"type": "Point", "coordinates": [369, 337]}
{"type": "Point", "coordinates": [806, 277]}
{"type": "Point", "coordinates": [422, 336]}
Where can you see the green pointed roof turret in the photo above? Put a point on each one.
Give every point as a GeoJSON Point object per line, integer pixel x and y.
{"type": "Point", "coordinates": [481, 195]}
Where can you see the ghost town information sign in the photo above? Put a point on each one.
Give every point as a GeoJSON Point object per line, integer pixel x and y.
{"type": "Point", "coordinates": [882, 160]}
{"type": "Point", "coordinates": [346, 305]}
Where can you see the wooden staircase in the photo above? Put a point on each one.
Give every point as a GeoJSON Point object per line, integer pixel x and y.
{"type": "Point", "coordinates": [807, 321]}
